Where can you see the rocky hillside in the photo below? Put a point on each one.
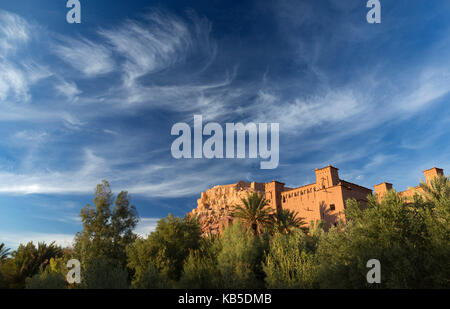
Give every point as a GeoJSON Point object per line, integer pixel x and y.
{"type": "Point", "coordinates": [215, 206]}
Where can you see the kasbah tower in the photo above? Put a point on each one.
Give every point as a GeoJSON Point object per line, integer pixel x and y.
{"type": "Point", "coordinates": [323, 200]}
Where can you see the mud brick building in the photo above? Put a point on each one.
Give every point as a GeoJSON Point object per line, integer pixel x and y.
{"type": "Point", "coordinates": [322, 200]}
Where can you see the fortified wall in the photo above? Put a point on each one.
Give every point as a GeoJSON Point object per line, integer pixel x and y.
{"type": "Point", "coordinates": [322, 200]}
{"type": "Point", "coordinates": [215, 205]}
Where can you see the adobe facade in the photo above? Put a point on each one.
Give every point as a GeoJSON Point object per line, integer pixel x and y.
{"type": "Point", "coordinates": [383, 188]}
{"type": "Point", "coordinates": [322, 200]}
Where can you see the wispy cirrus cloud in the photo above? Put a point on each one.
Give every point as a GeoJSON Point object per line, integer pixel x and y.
{"type": "Point", "coordinates": [69, 90]}
{"type": "Point", "coordinates": [302, 114]}
{"type": "Point", "coordinates": [16, 74]}
{"type": "Point", "coordinates": [430, 85]}
{"type": "Point", "coordinates": [30, 136]}
{"type": "Point", "coordinates": [13, 240]}
{"type": "Point", "coordinates": [149, 47]}
{"type": "Point", "coordinates": [164, 57]}
{"type": "Point", "coordinates": [157, 42]}
{"type": "Point", "coordinates": [164, 181]}
{"type": "Point", "coordinates": [80, 180]}
{"type": "Point", "coordinates": [90, 58]}
{"type": "Point", "coordinates": [14, 31]}
{"type": "Point", "coordinates": [13, 82]}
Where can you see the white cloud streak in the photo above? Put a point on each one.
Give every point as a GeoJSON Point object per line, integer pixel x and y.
{"type": "Point", "coordinates": [90, 58]}
{"type": "Point", "coordinates": [148, 48]}
{"type": "Point", "coordinates": [14, 31]}
{"type": "Point", "coordinates": [13, 82]}
{"type": "Point", "coordinates": [303, 114]}
{"type": "Point", "coordinates": [69, 90]}
{"type": "Point", "coordinates": [13, 240]}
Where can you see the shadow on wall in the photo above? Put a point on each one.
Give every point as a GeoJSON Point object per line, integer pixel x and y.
{"type": "Point", "coordinates": [327, 216]}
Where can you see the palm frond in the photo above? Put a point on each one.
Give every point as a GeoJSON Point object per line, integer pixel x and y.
{"type": "Point", "coordinates": [254, 212]}
{"type": "Point", "coordinates": [4, 252]}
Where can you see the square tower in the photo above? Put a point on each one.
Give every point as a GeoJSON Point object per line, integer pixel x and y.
{"type": "Point", "coordinates": [327, 177]}
{"type": "Point", "coordinates": [273, 191]}
{"type": "Point", "coordinates": [382, 189]}
{"type": "Point", "coordinates": [431, 173]}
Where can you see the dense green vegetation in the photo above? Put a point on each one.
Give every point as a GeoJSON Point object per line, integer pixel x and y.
{"type": "Point", "coordinates": [260, 250]}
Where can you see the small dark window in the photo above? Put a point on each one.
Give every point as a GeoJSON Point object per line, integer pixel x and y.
{"type": "Point", "coordinates": [332, 207]}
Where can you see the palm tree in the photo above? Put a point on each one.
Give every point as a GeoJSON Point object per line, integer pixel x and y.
{"type": "Point", "coordinates": [286, 220]}
{"type": "Point", "coordinates": [254, 213]}
{"type": "Point", "coordinates": [30, 259]}
{"type": "Point", "coordinates": [3, 252]}
{"type": "Point", "coordinates": [438, 190]}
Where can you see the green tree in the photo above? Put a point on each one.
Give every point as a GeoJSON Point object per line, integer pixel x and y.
{"type": "Point", "coordinates": [436, 216]}
{"type": "Point", "coordinates": [287, 220]}
{"type": "Point", "coordinates": [291, 261]}
{"type": "Point", "coordinates": [9, 275]}
{"type": "Point", "coordinates": [240, 258]}
{"type": "Point", "coordinates": [199, 272]}
{"type": "Point", "coordinates": [152, 278]}
{"type": "Point", "coordinates": [27, 261]}
{"type": "Point", "coordinates": [30, 259]}
{"type": "Point", "coordinates": [54, 274]}
{"type": "Point", "coordinates": [398, 234]}
{"type": "Point", "coordinates": [4, 252]}
{"type": "Point", "coordinates": [105, 273]}
{"type": "Point", "coordinates": [254, 213]}
{"type": "Point", "coordinates": [107, 229]}
{"type": "Point", "coordinates": [165, 249]}
{"type": "Point", "coordinates": [438, 191]}
{"type": "Point", "coordinates": [315, 228]}
{"type": "Point", "coordinates": [46, 280]}
{"type": "Point", "coordinates": [200, 268]}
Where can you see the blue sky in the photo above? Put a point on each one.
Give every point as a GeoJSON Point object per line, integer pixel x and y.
{"type": "Point", "coordinates": [97, 100]}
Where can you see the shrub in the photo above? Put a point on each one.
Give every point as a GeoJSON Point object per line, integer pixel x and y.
{"type": "Point", "coordinates": [240, 258]}
{"type": "Point", "coordinates": [104, 273]}
{"type": "Point", "coordinates": [290, 262]}
{"type": "Point", "coordinates": [199, 272]}
{"type": "Point", "coordinates": [47, 280]}
{"type": "Point", "coordinates": [152, 278]}
{"type": "Point", "coordinates": [397, 233]}
{"type": "Point", "coordinates": [165, 249]}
